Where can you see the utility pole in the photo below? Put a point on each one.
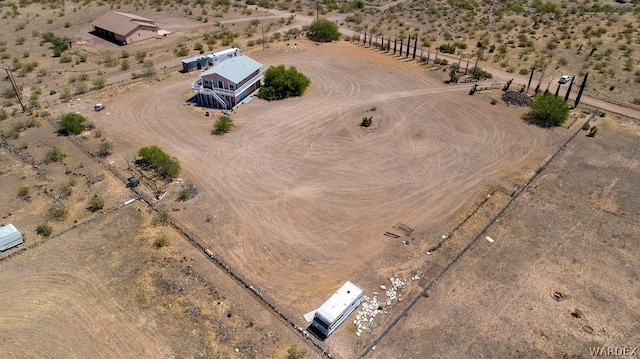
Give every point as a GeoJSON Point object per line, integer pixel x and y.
{"type": "Point", "coordinates": [15, 87]}
{"type": "Point", "coordinates": [262, 37]}
{"type": "Point", "coordinates": [318, 10]}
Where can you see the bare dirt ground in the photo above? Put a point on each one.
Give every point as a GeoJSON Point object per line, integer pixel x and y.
{"type": "Point", "coordinates": [300, 193]}
{"type": "Point", "coordinates": [574, 232]}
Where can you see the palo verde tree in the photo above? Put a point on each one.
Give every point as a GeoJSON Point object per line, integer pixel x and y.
{"type": "Point", "coordinates": [71, 124]}
{"type": "Point", "coordinates": [280, 83]}
{"type": "Point", "coordinates": [163, 164]}
{"type": "Point", "coordinates": [547, 110]}
{"type": "Point", "coordinates": [323, 30]}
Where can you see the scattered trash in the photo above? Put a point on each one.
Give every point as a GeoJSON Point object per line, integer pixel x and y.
{"type": "Point", "coordinates": [490, 239]}
{"type": "Point", "coordinates": [371, 307]}
{"type": "Point", "coordinates": [130, 201]}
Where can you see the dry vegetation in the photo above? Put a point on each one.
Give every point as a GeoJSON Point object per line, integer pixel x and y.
{"type": "Point", "coordinates": [424, 160]}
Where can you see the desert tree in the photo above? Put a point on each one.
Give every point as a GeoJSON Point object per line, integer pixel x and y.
{"type": "Point", "coordinates": [547, 110]}
{"type": "Point", "coordinates": [323, 30]}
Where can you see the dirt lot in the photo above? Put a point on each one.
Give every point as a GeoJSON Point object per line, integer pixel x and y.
{"type": "Point", "coordinates": [103, 290]}
{"type": "Point", "coordinates": [574, 232]}
{"type": "Point", "coordinates": [299, 191]}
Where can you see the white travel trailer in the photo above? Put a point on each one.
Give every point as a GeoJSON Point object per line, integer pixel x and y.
{"type": "Point", "coordinates": [336, 309]}
{"type": "Point", "coordinates": [9, 237]}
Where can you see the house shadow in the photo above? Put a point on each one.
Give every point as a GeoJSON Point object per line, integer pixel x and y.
{"type": "Point", "coordinates": [107, 36]}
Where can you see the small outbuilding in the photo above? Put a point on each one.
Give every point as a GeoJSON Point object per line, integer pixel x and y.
{"type": "Point", "coordinates": [203, 62]}
{"type": "Point", "coordinates": [123, 28]}
{"type": "Point", "coordinates": [9, 237]}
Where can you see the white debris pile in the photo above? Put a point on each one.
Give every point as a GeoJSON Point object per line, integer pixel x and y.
{"type": "Point", "coordinates": [370, 307]}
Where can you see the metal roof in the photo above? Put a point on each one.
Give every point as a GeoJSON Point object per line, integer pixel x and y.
{"type": "Point", "coordinates": [9, 234]}
{"type": "Point", "coordinates": [121, 23]}
{"type": "Point", "coordinates": [338, 302]}
{"type": "Point", "coordinates": [235, 69]}
{"type": "Point", "coordinates": [213, 55]}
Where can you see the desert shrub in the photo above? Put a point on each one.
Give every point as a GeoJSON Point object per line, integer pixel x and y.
{"type": "Point", "coordinates": [99, 82]}
{"type": "Point", "coordinates": [494, 101]}
{"type": "Point", "coordinates": [4, 115]}
{"type": "Point", "coordinates": [163, 164]}
{"type": "Point", "coordinates": [54, 154]}
{"type": "Point", "coordinates": [44, 229]}
{"type": "Point", "coordinates": [293, 352]}
{"type": "Point", "coordinates": [161, 218]}
{"type": "Point", "coordinates": [65, 95]}
{"type": "Point", "coordinates": [585, 126]}
{"type": "Point", "coordinates": [366, 121]}
{"type": "Point", "coordinates": [447, 48]}
{"type": "Point", "coordinates": [71, 123]}
{"type": "Point", "coordinates": [140, 56]}
{"type": "Point", "coordinates": [124, 65]}
{"type": "Point", "coordinates": [223, 125]}
{"type": "Point", "coordinates": [57, 213]}
{"type": "Point", "coordinates": [547, 110]}
{"type": "Point", "coordinates": [161, 241]}
{"type": "Point", "coordinates": [577, 313]}
{"type": "Point", "coordinates": [95, 204]}
{"type": "Point", "coordinates": [23, 191]}
{"type": "Point", "coordinates": [281, 83]}
{"type": "Point", "coordinates": [105, 148]}
{"type": "Point", "coordinates": [636, 101]}
{"type": "Point", "coordinates": [184, 195]}
{"type": "Point", "coordinates": [181, 50]}
{"type": "Point", "coordinates": [323, 30]}
{"type": "Point", "coordinates": [480, 73]}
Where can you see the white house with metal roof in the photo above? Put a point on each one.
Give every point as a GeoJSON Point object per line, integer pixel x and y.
{"type": "Point", "coordinates": [9, 237]}
{"type": "Point", "coordinates": [228, 83]}
{"type": "Point", "coordinates": [336, 309]}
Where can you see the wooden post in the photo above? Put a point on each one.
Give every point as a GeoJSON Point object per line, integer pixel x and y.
{"type": "Point", "coordinates": [584, 83]}
{"type": "Point", "coordinates": [530, 78]}
{"type": "Point", "coordinates": [408, 45]}
{"type": "Point", "coordinates": [415, 47]}
{"type": "Point", "coordinates": [566, 96]}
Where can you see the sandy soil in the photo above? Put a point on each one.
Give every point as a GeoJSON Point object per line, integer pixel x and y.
{"type": "Point", "coordinates": [298, 192]}
{"type": "Point", "coordinates": [574, 232]}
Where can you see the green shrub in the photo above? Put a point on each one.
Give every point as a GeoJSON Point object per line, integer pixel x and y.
{"type": "Point", "coordinates": [23, 191]}
{"type": "Point", "coordinates": [54, 154]}
{"type": "Point", "coordinates": [447, 48]}
{"type": "Point", "coordinates": [293, 352]}
{"type": "Point", "coordinates": [223, 125]}
{"type": "Point", "coordinates": [323, 30]}
{"type": "Point", "coordinates": [57, 213]}
{"type": "Point", "coordinates": [95, 204]}
{"type": "Point", "coordinates": [184, 195]}
{"type": "Point", "coordinates": [547, 110]}
{"type": "Point", "coordinates": [281, 83]}
{"type": "Point", "coordinates": [163, 164]}
{"type": "Point", "coordinates": [44, 229]}
{"type": "Point", "coordinates": [71, 124]}
{"type": "Point", "coordinates": [104, 148]}
{"type": "Point", "coordinates": [161, 241]}
{"type": "Point", "coordinates": [161, 218]}
{"type": "Point", "coordinates": [99, 82]}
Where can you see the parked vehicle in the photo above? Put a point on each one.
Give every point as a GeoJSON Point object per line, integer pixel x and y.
{"type": "Point", "coordinates": [564, 79]}
{"type": "Point", "coordinates": [98, 107]}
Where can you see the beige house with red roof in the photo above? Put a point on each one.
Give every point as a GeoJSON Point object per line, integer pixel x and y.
{"type": "Point", "coordinates": [123, 28]}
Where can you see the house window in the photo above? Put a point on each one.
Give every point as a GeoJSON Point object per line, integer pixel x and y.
{"type": "Point", "coordinates": [219, 84]}
{"type": "Point", "coordinates": [232, 86]}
